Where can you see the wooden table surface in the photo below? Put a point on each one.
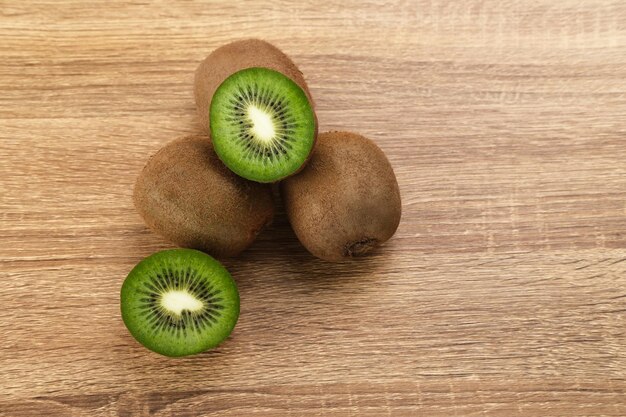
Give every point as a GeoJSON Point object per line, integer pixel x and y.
{"type": "Point", "coordinates": [503, 292]}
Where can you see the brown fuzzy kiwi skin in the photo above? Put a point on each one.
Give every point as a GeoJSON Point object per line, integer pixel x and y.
{"type": "Point", "coordinates": [187, 195]}
{"type": "Point", "coordinates": [233, 57]}
{"type": "Point", "coordinates": [346, 201]}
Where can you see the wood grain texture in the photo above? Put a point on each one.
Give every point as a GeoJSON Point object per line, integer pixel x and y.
{"type": "Point", "coordinates": [503, 292]}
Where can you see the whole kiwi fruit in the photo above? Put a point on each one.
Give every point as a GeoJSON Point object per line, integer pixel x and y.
{"type": "Point", "coordinates": [234, 57]}
{"type": "Point", "coordinates": [187, 195]}
{"type": "Point", "coordinates": [346, 201]}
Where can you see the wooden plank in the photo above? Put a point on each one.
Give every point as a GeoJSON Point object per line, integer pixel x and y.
{"type": "Point", "coordinates": [503, 292]}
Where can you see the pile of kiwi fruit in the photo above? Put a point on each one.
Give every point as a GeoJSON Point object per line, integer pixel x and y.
{"type": "Point", "coordinates": [211, 194]}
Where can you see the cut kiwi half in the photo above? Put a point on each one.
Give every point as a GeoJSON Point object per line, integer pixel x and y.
{"type": "Point", "coordinates": [179, 302]}
{"type": "Point", "coordinates": [263, 126]}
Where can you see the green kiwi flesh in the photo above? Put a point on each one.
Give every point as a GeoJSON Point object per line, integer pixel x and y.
{"type": "Point", "coordinates": [187, 195]}
{"type": "Point", "coordinates": [262, 124]}
{"type": "Point", "coordinates": [346, 201]}
{"type": "Point", "coordinates": [179, 302]}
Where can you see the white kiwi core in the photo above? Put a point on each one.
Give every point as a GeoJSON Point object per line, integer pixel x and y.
{"type": "Point", "coordinates": [177, 301]}
{"type": "Point", "coordinates": [262, 124]}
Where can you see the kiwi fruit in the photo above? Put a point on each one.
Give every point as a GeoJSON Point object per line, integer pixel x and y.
{"type": "Point", "coordinates": [179, 302]}
{"type": "Point", "coordinates": [187, 195]}
{"type": "Point", "coordinates": [262, 125]}
{"type": "Point", "coordinates": [346, 201]}
{"type": "Point", "coordinates": [233, 57]}
{"type": "Point", "coordinates": [257, 107]}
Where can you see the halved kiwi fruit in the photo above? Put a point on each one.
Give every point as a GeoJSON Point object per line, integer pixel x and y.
{"type": "Point", "coordinates": [262, 124]}
{"type": "Point", "coordinates": [346, 201]}
{"type": "Point", "coordinates": [179, 302]}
